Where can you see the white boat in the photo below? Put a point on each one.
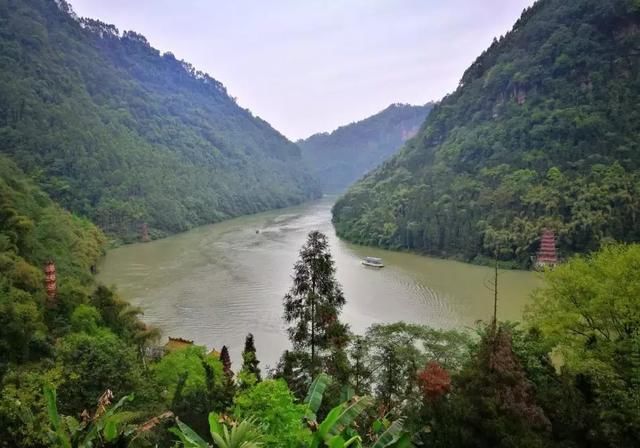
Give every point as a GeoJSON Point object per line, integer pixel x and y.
{"type": "Point", "coordinates": [373, 262]}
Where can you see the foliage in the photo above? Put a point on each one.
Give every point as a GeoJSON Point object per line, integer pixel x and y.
{"type": "Point", "coordinates": [107, 425]}
{"type": "Point", "coordinates": [23, 407]}
{"type": "Point", "coordinates": [250, 360]}
{"type": "Point", "coordinates": [33, 230]}
{"type": "Point", "coordinates": [118, 132]}
{"type": "Point", "coordinates": [187, 362]}
{"type": "Point", "coordinates": [498, 397]}
{"type": "Point", "coordinates": [312, 307]}
{"type": "Point", "coordinates": [434, 381]}
{"type": "Point", "coordinates": [241, 435]}
{"type": "Point", "coordinates": [340, 158]}
{"type": "Point", "coordinates": [79, 354]}
{"type": "Point", "coordinates": [337, 428]}
{"type": "Point", "coordinates": [272, 407]}
{"type": "Point", "coordinates": [589, 311]}
{"type": "Point", "coordinates": [540, 133]}
{"type": "Point", "coordinates": [568, 378]}
{"type": "Point", "coordinates": [395, 354]}
{"type": "Point", "coordinates": [192, 384]}
{"type": "Point", "coordinates": [313, 400]}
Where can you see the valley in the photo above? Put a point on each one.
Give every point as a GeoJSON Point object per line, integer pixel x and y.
{"type": "Point", "coordinates": [177, 272]}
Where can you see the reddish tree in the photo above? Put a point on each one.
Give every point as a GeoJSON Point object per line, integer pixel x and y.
{"type": "Point", "coordinates": [513, 390]}
{"type": "Point", "coordinates": [434, 381]}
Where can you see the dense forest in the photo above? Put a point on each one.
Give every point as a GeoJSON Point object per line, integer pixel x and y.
{"type": "Point", "coordinates": [542, 132]}
{"type": "Point", "coordinates": [118, 132]}
{"type": "Point", "coordinates": [343, 156]}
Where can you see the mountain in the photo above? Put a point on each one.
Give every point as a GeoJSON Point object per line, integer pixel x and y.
{"type": "Point", "coordinates": [120, 133]}
{"type": "Point", "coordinates": [542, 132]}
{"type": "Point", "coordinates": [340, 158]}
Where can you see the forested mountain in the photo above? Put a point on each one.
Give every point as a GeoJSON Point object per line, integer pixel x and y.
{"type": "Point", "coordinates": [115, 130]}
{"type": "Point", "coordinates": [343, 156]}
{"type": "Point", "coordinates": [541, 132]}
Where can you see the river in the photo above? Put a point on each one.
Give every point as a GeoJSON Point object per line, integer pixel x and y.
{"type": "Point", "coordinates": [216, 283]}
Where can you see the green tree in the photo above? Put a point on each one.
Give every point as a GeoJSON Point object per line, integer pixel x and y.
{"type": "Point", "coordinates": [394, 355]}
{"type": "Point", "coordinates": [312, 306]}
{"type": "Point", "coordinates": [91, 364]}
{"type": "Point", "coordinates": [272, 407]}
{"type": "Point", "coordinates": [249, 359]}
{"type": "Point", "coordinates": [192, 384]}
{"type": "Point", "coordinates": [589, 311]}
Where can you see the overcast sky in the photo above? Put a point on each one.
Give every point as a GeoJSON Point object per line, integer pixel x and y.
{"type": "Point", "coordinates": [309, 66]}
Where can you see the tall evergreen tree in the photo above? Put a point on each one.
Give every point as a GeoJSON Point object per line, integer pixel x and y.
{"type": "Point", "coordinates": [229, 386]}
{"type": "Point", "coordinates": [312, 306]}
{"type": "Point", "coordinates": [226, 361]}
{"type": "Point", "coordinates": [249, 359]}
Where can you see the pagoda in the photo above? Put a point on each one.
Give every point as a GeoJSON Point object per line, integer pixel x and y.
{"type": "Point", "coordinates": [546, 255]}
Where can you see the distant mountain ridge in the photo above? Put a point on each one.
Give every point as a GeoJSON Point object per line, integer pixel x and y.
{"type": "Point", "coordinates": [116, 131]}
{"type": "Point", "coordinates": [343, 156]}
{"type": "Point", "coordinates": [541, 133]}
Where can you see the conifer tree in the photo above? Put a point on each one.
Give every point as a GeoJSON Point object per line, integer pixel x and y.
{"type": "Point", "coordinates": [226, 362]}
{"type": "Point", "coordinates": [249, 359]}
{"type": "Point", "coordinates": [313, 304]}
{"type": "Point", "coordinates": [229, 386]}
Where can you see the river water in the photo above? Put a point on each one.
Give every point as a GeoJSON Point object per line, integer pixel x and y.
{"type": "Point", "coordinates": [216, 283]}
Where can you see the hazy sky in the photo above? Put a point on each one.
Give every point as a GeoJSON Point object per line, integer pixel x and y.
{"type": "Point", "coordinates": [308, 66]}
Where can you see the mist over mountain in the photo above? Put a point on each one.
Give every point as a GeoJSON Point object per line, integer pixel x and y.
{"type": "Point", "coordinates": [343, 156]}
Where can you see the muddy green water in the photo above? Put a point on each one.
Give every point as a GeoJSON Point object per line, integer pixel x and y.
{"type": "Point", "coordinates": [216, 283]}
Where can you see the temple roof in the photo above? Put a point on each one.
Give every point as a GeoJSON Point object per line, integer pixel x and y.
{"type": "Point", "coordinates": [177, 344]}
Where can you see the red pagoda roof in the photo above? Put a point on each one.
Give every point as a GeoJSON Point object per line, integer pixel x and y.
{"type": "Point", "coordinates": [547, 251]}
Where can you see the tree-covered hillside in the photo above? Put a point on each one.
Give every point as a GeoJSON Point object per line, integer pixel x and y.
{"type": "Point", "coordinates": [340, 158]}
{"type": "Point", "coordinates": [115, 130]}
{"type": "Point", "coordinates": [542, 132]}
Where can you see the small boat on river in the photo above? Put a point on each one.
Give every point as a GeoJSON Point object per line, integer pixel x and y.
{"type": "Point", "coordinates": [373, 262]}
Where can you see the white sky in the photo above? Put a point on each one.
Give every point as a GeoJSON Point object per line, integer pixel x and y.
{"type": "Point", "coordinates": [309, 66]}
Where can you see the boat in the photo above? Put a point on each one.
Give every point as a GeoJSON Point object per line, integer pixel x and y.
{"type": "Point", "coordinates": [373, 262]}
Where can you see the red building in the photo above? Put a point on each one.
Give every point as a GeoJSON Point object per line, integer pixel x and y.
{"type": "Point", "coordinates": [547, 255]}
